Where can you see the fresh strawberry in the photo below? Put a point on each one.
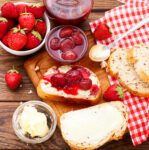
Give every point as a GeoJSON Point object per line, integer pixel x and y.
{"type": "Point", "coordinates": [11, 23]}
{"type": "Point", "coordinates": [17, 39]}
{"type": "Point", "coordinates": [41, 27]}
{"type": "Point", "coordinates": [33, 39]}
{"type": "Point", "coordinates": [9, 10]}
{"type": "Point", "coordinates": [22, 8]}
{"type": "Point", "coordinates": [27, 21]}
{"type": "Point", "coordinates": [13, 78]}
{"type": "Point", "coordinates": [102, 32]}
{"type": "Point", "coordinates": [5, 39]}
{"type": "Point", "coordinates": [114, 92]}
{"type": "Point", "coordinates": [3, 26]}
{"type": "Point", "coordinates": [37, 9]}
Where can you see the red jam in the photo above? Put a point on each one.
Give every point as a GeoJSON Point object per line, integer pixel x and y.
{"type": "Point", "coordinates": [68, 11]}
{"type": "Point", "coordinates": [66, 44]}
{"type": "Point", "coordinates": [75, 79]}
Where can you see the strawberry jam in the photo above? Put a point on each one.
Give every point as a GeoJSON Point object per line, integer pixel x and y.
{"type": "Point", "coordinates": [66, 44]}
{"type": "Point", "coordinates": [68, 11]}
{"type": "Point", "coordinates": [73, 80]}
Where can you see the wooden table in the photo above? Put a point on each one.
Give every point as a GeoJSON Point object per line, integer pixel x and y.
{"type": "Point", "coordinates": [10, 100]}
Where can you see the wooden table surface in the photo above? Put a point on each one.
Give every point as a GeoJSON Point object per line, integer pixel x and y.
{"type": "Point", "coordinates": [10, 100]}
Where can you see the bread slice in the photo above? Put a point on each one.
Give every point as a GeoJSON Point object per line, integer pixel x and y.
{"type": "Point", "coordinates": [46, 91]}
{"type": "Point", "coordinates": [119, 67]}
{"type": "Point", "coordinates": [92, 127]}
{"type": "Point", "coordinates": [139, 56]}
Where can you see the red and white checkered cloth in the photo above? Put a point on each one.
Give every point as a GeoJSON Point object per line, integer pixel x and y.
{"type": "Point", "coordinates": [120, 19]}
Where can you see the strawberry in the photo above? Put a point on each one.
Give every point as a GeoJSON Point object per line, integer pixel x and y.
{"type": "Point", "coordinates": [41, 27]}
{"type": "Point", "coordinates": [17, 39]}
{"type": "Point", "coordinates": [3, 26]}
{"type": "Point", "coordinates": [11, 23]}
{"type": "Point", "coordinates": [114, 92]}
{"type": "Point", "coordinates": [27, 21]}
{"type": "Point", "coordinates": [102, 32]}
{"type": "Point", "coordinates": [9, 10]}
{"type": "Point", "coordinates": [13, 78]}
{"type": "Point", "coordinates": [33, 39]}
{"type": "Point", "coordinates": [5, 39]}
{"type": "Point", "coordinates": [37, 9]}
{"type": "Point", "coordinates": [21, 8]}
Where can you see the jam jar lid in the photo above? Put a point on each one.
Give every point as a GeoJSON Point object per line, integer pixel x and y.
{"type": "Point", "coordinates": [68, 9]}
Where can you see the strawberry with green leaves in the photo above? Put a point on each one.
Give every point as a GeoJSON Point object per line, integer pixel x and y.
{"type": "Point", "coordinates": [37, 9]}
{"type": "Point", "coordinates": [41, 27]}
{"type": "Point", "coordinates": [13, 78]}
{"type": "Point", "coordinates": [21, 8]}
{"type": "Point", "coordinates": [33, 39]}
{"type": "Point", "coordinates": [27, 21]}
{"type": "Point", "coordinates": [17, 38]}
{"type": "Point", "coordinates": [102, 32]}
{"type": "Point", "coordinates": [3, 26]}
{"type": "Point", "coordinates": [114, 92]}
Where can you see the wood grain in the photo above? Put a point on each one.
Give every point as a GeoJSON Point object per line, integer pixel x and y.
{"type": "Point", "coordinates": [10, 100]}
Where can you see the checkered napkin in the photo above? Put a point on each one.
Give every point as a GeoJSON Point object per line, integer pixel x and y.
{"type": "Point", "coordinates": [120, 19]}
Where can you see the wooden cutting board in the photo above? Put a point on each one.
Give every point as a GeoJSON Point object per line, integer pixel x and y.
{"type": "Point", "coordinates": [43, 61]}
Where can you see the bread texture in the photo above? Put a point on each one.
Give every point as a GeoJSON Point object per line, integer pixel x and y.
{"type": "Point", "coordinates": [47, 92]}
{"type": "Point", "coordinates": [92, 127]}
{"type": "Point", "coordinates": [120, 67]}
{"type": "Point", "coordinates": [139, 56]}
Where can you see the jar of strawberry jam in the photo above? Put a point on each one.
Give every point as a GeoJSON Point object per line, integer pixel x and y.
{"type": "Point", "coordinates": [69, 11]}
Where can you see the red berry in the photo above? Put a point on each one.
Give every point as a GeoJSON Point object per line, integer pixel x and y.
{"type": "Point", "coordinates": [113, 93]}
{"type": "Point", "coordinates": [85, 73]}
{"type": "Point", "coordinates": [54, 43]}
{"type": "Point", "coordinates": [11, 23]}
{"type": "Point", "coordinates": [41, 27]}
{"type": "Point", "coordinates": [27, 21]}
{"type": "Point", "coordinates": [33, 39]}
{"type": "Point", "coordinates": [71, 89]}
{"type": "Point", "coordinates": [37, 9]}
{"type": "Point", "coordinates": [21, 8]}
{"type": "Point", "coordinates": [9, 11]}
{"type": "Point", "coordinates": [102, 32]}
{"type": "Point", "coordinates": [66, 44]}
{"type": "Point", "coordinates": [65, 32]}
{"type": "Point", "coordinates": [5, 39]}
{"type": "Point", "coordinates": [73, 76]}
{"type": "Point", "coordinates": [85, 84]}
{"type": "Point", "coordinates": [58, 80]}
{"type": "Point", "coordinates": [13, 79]}
{"type": "Point", "coordinates": [69, 55]}
{"type": "Point", "coordinates": [17, 39]}
{"type": "Point", "coordinates": [3, 26]}
{"type": "Point", "coordinates": [77, 38]}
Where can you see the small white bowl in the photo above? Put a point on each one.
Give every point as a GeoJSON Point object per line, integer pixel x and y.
{"type": "Point", "coordinates": [41, 107]}
{"type": "Point", "coordinates": [31, 51]}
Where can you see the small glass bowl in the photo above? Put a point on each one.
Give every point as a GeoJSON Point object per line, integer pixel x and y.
{"type": "Point", "coordinates": [41, 107]}
{"type": "Point", "coordinates": [55, 33]}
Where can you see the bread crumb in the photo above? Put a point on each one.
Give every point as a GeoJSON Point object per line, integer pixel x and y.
{"type": "Point", "coordinates": [37, 68]}
{"type": "Point", "coordinates": [103, 64]}
{"type": "Point", "coordinates": [30, 92]}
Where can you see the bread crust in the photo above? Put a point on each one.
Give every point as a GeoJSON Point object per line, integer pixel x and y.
{"type": "Point", "coordinates": [120, 107]}
{"type": "Point", "coordinates": [47, 96]}
{"type": "Point", "coordinates": [130, 56]}
{"type": "Point", "coordinates": [112, 73]}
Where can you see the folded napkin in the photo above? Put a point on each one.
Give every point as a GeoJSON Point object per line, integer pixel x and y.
{"type": "Point", "coordinates": [120, 19]}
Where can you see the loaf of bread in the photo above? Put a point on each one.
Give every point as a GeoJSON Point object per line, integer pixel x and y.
{"type": "Point", "coordinates": [92, 127]}
{"type": "Point", "coordinates": [71, 91]}
{"type": "Point", "coordinates": [124, 71]}
{"type": "Point", "coordinates": [138, 56]}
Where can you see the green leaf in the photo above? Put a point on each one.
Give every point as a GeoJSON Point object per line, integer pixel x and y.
{"type": "Point", "coordinates": [37, 5]}
{"type": "Point", "coordinates": [37, 34]}
{"type": "Point", "coordinates": [13, 70]}
{"type": "Point", "coordinates": [3, 19]}
{"type": "Point", "coordinates": [120, 91]}
{"type": "Point", "coordinates": [38, 20]}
